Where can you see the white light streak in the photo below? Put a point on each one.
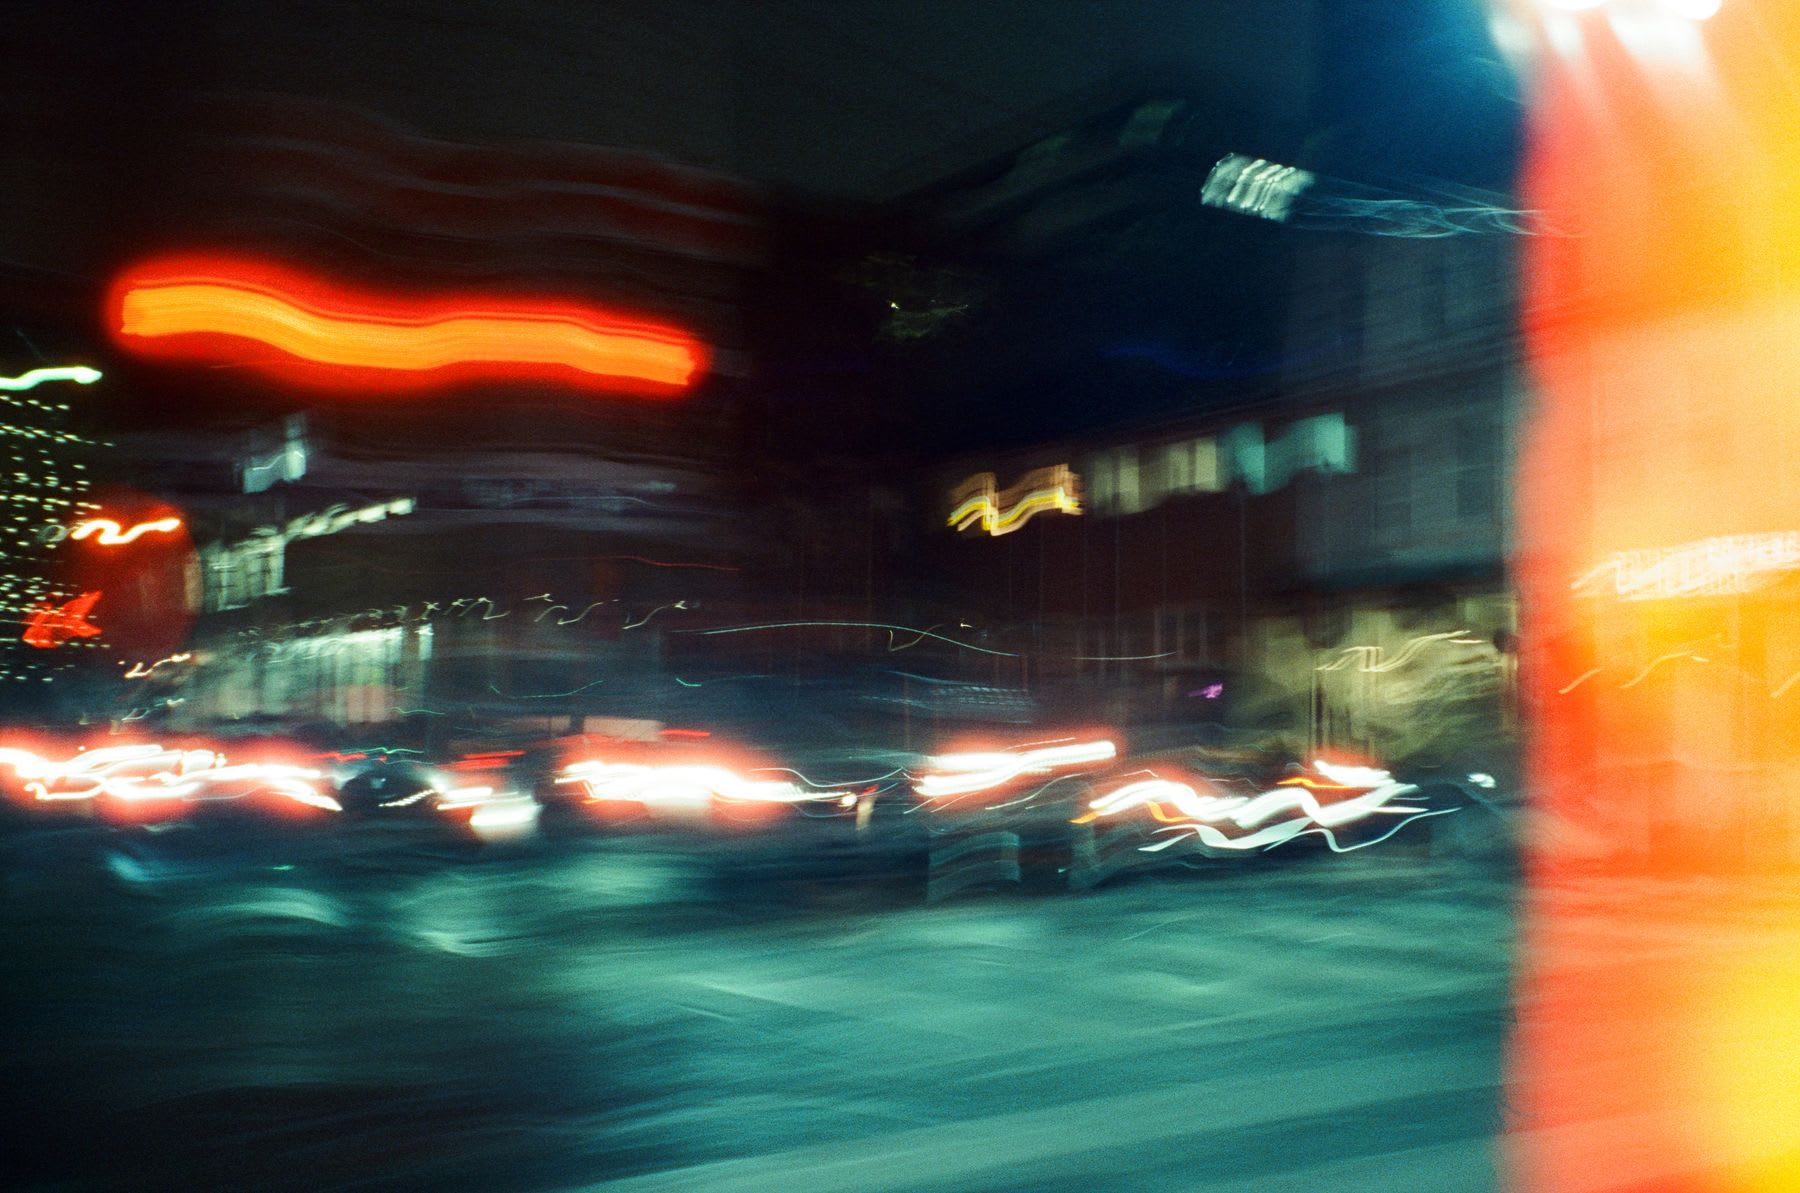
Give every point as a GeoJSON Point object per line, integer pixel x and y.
{"type": "Point", "coordinates": [502, 815]}
{"type": "Point", "coordinates": [407, 801]}
{"type": "Point", "coordinates": [137, 773]}
{"type": "Point", "coordinates": [79, 374]}
{"type": "Point", "coordinates": [1371, 656]}
{"type": "Point", "coordinates": [1721, 566]}
{"type": "Point", "coordinates": [340, 517]}
{"type": "Point", "coordinates": [962, 774]}
{"type": "Point", "coordinates": [1254, 186]}
{"type": "Point", "coordinates": [1208, 835]}
{"type": "Point", "coordinates": [1180, 796]}
{"type": "Point", "coordinates": [109, 533]}
{"type": "Point", "coordinates": [632, 625]}
{"type": "Point", "coordinates": [464, 797]}
{"type": "Point", "coordinates": [1578, 681]}
{"type": "Point", "coordinates": [681, 788]}
{"type": "Point", "coordinates": [139, 670]}
{"type": "Point", "coordinates": [1693, 10]}
{"type": "Point", "coordinates": [1352, 776]}
{"type": "Point", "coordinates": [1207, 813]}
{"type": "Point", "coordinates": [1641, 676]}
{"type": "Point", "coordinates": [904, 629]}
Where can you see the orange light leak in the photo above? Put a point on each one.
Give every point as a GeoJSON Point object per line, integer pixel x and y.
{"type": "Point", "coordinates": [234, 310]}
{"type": "Point", "coordinates": [1658, 1038]}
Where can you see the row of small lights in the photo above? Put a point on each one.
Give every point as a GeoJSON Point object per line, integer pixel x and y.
{"type": "Point", "coordinates": [38, 502]}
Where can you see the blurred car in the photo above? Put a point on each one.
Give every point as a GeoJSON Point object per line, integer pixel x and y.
{"type": "Point", "coordinates": [1072, 810]}
{"type": "Point", "coordinates": [382, 785]}
{"type": "Point", "coordinates": [263, 779]}
{"type": "Point", "coordinates": [1164, 813]}
{"type": "Point", "coordinates": [997, 811]}
{"type": "Point", "coordinates": [647, 775]}
{"type": "Point", "coordinates": [749, 823]}
{"type": "Point", "coordinates": [473, 792]}
{"type": "Point", "coordinates": [155, 782]}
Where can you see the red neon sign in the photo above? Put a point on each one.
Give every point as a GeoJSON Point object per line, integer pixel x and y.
{"type": "Point", "coordinates": [243, 310]}
{"type": "Point", "coordinates": [48, 626]}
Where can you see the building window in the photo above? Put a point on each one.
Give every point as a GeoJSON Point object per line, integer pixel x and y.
{"type": "Point", "coordinates": [1183, 634]}
{"type": "Point", "coordinates": [1434, 297]}
{"type": "Point", "coordinates": [221, 591]}
{"type": "Point", "coordinates": [1394, 491]}
{"type": "Point", "coordinates": [1477, 470]}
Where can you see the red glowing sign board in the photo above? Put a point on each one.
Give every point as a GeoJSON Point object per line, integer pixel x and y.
{"type": "Point", "coordinates": [241, 310]}
{"type": "Point", "coordinates": [48, 626]}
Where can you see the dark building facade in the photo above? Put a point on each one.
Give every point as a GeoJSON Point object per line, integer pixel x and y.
{"type": "Point", "coordinates": [1284, 508]}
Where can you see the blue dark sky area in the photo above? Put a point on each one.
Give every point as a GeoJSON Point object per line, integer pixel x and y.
{"type": "Point", "coordinates": [849, 102]}
{"type": "Point", "coordinates": [1415, 90]}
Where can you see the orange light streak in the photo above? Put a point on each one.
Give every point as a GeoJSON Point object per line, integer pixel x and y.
{"type": "Point", "coordinates": [246, 311]}
{"type": "Point", "coordinates": [1042, 490]}
{"type": "Point", "coordinates": [109, 533]}
{"type": "Point", "coordinates": [1314, 784]}
{"type": "Point", "coordinates": [140, 670]}
{"type": "Point", "coordinates": [1157, 811]}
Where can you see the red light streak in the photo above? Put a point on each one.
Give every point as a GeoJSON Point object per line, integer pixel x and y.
{"type": "Point", "coordinates": [48, 626]}
{"type": "Point", "coordinates": [152, 781]}
{"type": "Point", "coordinates": [484, 761]}
{"type": "Point", "coordinates": [246, 311]}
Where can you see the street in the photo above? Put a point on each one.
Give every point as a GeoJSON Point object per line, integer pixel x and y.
{"type": "Point", "coordinates": [595, 1015]}
{"type": "Point", "coordinates": [877, 596]}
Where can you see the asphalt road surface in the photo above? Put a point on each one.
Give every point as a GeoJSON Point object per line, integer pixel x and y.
{"type": "Point", "coordinates": [611, 1014]}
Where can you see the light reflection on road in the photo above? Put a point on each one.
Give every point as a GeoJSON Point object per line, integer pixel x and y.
{"type": "Point", "coordinates": [605, 1010]}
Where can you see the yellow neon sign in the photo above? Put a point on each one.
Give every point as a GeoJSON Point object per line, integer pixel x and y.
{"type": "Point", "coordinates": [1044, 490]}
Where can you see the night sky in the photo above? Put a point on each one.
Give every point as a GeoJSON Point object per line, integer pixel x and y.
{"type": "Point", "coordinates": [843, 102]}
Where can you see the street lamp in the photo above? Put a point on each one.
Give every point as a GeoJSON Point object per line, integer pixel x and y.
{"type": "Point", "coordinates": [1693, 10]}
{"type": "Point", "coordinates": [1664, 33]}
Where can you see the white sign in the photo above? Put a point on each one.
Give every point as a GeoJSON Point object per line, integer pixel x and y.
{"type": "Point", "coordinates": [1253, 186]}
{"type": "Point", "coordinates": [340, 517]}
{"type": "Point", "coordinates": [1708, 567]}
{"type": "Point", "coordinates": [255, 567]}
